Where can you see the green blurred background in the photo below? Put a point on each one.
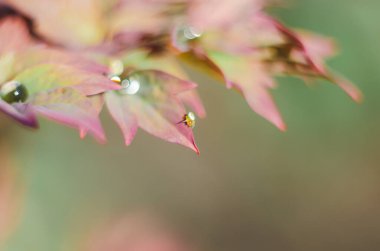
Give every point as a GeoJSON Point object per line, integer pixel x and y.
{"type": "Point", "coordinates": [315, 187]}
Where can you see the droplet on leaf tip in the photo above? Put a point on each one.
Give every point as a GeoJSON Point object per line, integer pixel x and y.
{"type": "Point", "coordinates": [13, 92]}
{"type": "Point", "coordinates": [184, 35]}
{"type": "Point", "coordinates": [130, 86]}
{"type": "Point", "coordinates": [191, 33]}
{"type": "Point", "coordinates": [189, 119]}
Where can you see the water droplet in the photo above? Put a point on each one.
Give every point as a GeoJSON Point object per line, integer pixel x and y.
{"type": "Point", "coordinates": [13, 92]}
{"type": "Point", "coordinates": [191, 116]}
{"type": "Point", "coordinates": [191, 33]}
{"type": "Point", "coordinates": [184, 35]}
{"type": "Point", "coordinates": [130, 86]}
{"type": "Point", "coordinates": [189, 119]}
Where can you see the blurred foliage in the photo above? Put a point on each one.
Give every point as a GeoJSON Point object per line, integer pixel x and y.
{"type": "Point", "coordinates": [315, 187]}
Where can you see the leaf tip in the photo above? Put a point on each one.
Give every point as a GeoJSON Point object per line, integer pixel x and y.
{"type": "Point", "coordinates": [357, 96]}
{"type": "Point", "coordinates": [82, 133]}
{"type": "Point", "coordinates": [127, 142]}
{"type": "Point", "coordinates": [348, 87]}
{"type": "Point", "coordinates": [129, 135]}
{"type": "Point", "coordinates": [196, 149]}
{"type": "Point", "coordinates": [352, 91]}
{"type": "Point", "coordinates": [276, 120]}
{"type": "Point", "coordinates": [282, 127]}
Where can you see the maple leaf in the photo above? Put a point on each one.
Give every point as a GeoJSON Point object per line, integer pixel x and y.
{"type": "Point", "coordinates": [168, 63]}
{"type": "Point", "coordinates": [68, 50]}
{"type": "Point", "coordinates": [53, 75]}
{"type": "Point", "coordinates": [250, 77]}
{"type": "Point", "coordinates": [69, 23]}
{"type": "Point", "coordinates": [303, 54]}
{"type": "Point", "coordinates": [130, 29]}
{"type": "Point", "coordinates": [39, 80]}
{"type": "Point", "coordinates": [20, 112]}
{"type": "Point", "coordinates": [59, 92]}
{"type": "Point", "coordinates": [150, 101]}
{"type": "Point", "coordinates": [317, 49]}
{"type": "Point", "coordinates": [232, 53]}
{"type": "Point", "coordinates": [214, 14]}
{"type": "Point", "coordinates": [70, 107]}
{"type": "Point", "coordinates": [16, 33]}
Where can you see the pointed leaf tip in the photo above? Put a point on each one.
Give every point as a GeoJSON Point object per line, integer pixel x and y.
{"type": "Point", "coordinates": [22, 113]}
{"type": "Point", "coordinates": [154, 106]}
{"type": "Point", "coordinates": [351, 90]}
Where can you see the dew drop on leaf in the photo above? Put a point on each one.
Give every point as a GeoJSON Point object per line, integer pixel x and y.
{"type": "Point", "coordinates": [184, 35]}
{"type": "Point", "coordinates": [189, 119]}
{"type": "Point", "coordinates": [13, 92]}
{"type": "Point", "coordinates": [130, 86]}
{"type": "Point", "coordinates": [191, 33]}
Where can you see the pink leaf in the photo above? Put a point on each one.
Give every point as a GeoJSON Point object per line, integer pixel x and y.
{"type": "Point", "coordinates": [72, 108]}
{"type": "Point", "coordinates": [47, 76]}
{"type": "Point", "coordinates": [20, 112]}
{"type": "Point", "coordinates": [311, 51]}
{"type": "Point", "coordinates": [42, 54]}
{"type": "Point", "coordinates": [347, 86]}
{"type": "Point", "coordinates": [167, 63]}
{"type": "Point", "coordinates": [152, 20]}
{"type": "Point", "coordinates": [72, 23]}
{"type": "Point", "coordinates": [14, 35]}
{"type": "Point", "coordinates": [215, 14]}
{"type": "Point", "coordinates": [150, 101]}
{"type": "Point", "coordinates": [192, 99]}
{"type": "Point", "coordinates": [251, 78]}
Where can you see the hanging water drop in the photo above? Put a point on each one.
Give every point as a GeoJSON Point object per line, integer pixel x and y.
{"type": "Point", "coordinates": [184, 35]}
{"type": "Point", "coordinates": [13, 92]}
{"type": "Point", "coordinates": [189, 119]}
{"type": "Point", "coordinates": [191, 33]}
{"type": "Point", "coordinates": [130, 86]}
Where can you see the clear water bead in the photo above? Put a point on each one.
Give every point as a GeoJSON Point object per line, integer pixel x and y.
{"type": "Point", "coordinates": [189, 119]}
{"type": "Point", "coordinates": [130, 86]}
{"type": "Point", "coordinates": [191, 33]}
{"type": "Point", "coordinates": [13, 92]}
{"type": "Point", "coordinates": [184, 35]}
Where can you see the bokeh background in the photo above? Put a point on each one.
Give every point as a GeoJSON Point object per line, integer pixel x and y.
{"type": "Point", "coordinates": [315, 187]}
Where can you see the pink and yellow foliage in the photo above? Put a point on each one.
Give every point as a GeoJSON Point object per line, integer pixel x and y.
{"type": "Point", "coordinates": [66, 60]}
